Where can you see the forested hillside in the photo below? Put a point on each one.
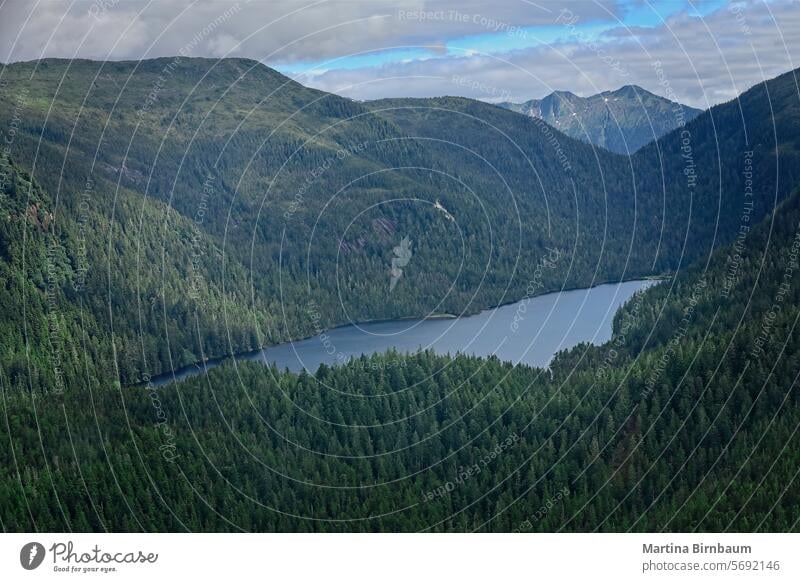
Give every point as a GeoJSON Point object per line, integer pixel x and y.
{"type": "Point", "coordinates": [686, 421]}
{"type": "Point", "coordinates": [722, 173]}
{"type": "Point", "coordinates": [220, 193]}
{"type": "Point", "coordinates": [42, 322]}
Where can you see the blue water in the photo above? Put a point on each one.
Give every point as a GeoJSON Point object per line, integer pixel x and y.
{"type": "Point", "coordinates": [529, 332]}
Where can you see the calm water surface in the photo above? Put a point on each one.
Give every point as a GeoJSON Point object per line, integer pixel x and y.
{"type": "Point", "coordinates": [529, 332]}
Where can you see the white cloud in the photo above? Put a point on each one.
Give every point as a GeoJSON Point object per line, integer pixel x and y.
{"type": "Point", "coordinates": [705, 61]}
{"type": "Point", "coordinates": [285, 30]}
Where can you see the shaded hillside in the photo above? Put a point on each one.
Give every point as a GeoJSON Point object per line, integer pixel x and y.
{"type": "Point", "coordinates": [701, 186]}
{"type": "Point", "coordinates": [671, 203]}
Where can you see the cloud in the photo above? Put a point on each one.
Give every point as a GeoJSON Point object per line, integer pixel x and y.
{"type": "Point", "coordinates": [272, 30]}
{"type": "Point", "coordinates": [704, 61]}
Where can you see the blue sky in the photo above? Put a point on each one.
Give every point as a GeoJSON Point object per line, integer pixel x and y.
{"type": "Point", "coordinates": [710, 51]}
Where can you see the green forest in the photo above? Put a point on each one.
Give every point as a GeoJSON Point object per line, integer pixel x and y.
{"type": "Point", "coordinates": [692, 426]}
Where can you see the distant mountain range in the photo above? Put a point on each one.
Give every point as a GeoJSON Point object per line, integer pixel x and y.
{"type": "Point", "coordinates": [621, 121]}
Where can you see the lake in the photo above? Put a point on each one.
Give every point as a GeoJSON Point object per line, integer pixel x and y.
{"type": "Point", "coordinates": [530, 332]}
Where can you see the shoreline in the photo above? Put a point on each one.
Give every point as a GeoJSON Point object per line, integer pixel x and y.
{"type": "Point", "coordinates": [179, 374]}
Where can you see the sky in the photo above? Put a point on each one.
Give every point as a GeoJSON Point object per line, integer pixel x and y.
{"type": "Point", "coordinates": [697, 52]}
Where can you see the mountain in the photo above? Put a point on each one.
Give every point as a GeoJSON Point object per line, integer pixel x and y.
{"type": "Point", "coordinates": [673, 202]}
{"type": "Point", "coordinates": [200, 207]}
{"type": "Point", "coordinates": [620, 121]}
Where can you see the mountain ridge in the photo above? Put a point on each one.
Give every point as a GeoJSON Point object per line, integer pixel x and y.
{"type": "Point", "coordinates": [602, 120]}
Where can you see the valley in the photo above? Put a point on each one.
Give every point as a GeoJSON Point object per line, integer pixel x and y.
{"type": "Point", "coordinates": [161, 212]}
